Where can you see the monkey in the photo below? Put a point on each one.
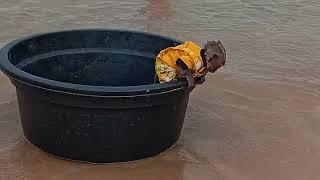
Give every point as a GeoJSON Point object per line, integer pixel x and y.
{"type": "Point", "coordinates": [189, 61]}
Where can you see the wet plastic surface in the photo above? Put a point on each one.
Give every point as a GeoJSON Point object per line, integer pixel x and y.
{"type": "Point", "coordinates": [89, 95]}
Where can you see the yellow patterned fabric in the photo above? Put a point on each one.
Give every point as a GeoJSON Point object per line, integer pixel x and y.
{"type": "Point", "coordinates": [166, 67]}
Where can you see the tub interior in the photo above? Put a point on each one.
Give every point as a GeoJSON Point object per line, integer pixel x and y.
{"type": "Point", "coordinates": [98, 58]}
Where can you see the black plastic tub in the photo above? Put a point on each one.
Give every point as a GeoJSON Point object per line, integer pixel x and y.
{"type": "Point", "coordinates": [89, 95]}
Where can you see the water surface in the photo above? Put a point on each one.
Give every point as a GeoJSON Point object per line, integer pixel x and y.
{"type": "Point", "coordinates": [257, 118]}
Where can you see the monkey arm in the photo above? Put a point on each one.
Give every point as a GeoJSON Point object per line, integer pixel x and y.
{"type": "Point", "coordinates": [186, 73]}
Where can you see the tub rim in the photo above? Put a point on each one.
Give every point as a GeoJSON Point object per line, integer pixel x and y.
{"type": "Point", "coordinates": [88, 90]}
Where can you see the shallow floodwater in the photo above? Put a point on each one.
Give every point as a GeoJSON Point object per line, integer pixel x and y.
{"type": "Point", "coordinates": [257, 118]}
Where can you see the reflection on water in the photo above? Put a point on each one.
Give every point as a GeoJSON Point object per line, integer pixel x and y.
{"type": "Point", "coordinates": [25, 161]}
{"type": "Point", "coordinates": [159, 13]}
{"type": "Point", "coordinates": [257, 118]}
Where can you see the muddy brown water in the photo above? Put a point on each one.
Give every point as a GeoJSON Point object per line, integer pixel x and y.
{"type": "Point", "coordinates": [257, 118]}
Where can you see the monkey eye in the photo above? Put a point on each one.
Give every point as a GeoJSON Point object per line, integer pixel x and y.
{"type": "Point", "coordinates": [215, 56]}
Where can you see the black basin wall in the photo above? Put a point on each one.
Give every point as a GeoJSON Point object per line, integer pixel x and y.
{"type": "Point", "coordinates": [89, 95]}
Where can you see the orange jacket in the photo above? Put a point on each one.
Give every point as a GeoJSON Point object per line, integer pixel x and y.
{"type": "Point", "coordinates": [166, 67]}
